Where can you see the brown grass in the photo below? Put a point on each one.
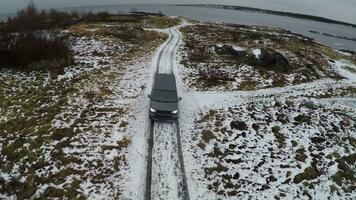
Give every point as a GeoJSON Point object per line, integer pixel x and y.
{"type": "Point", "coordinates": [207, 136]}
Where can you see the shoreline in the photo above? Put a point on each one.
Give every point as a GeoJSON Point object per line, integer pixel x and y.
{"type": "Point", "coordinates": [271, 12]}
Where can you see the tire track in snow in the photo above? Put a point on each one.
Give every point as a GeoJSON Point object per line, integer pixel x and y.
{"type": "Point", "coordinates": [174, 50]}
{"type": "Point", "coordinates": [166, 178]}
{"type": "Point", "coordinates": [148, 194]}
{"type": "Point", "coordinates": [167, 54]}
{"type": "Point", "coordinates": [160, 54]}
{"type": "Point", "coordinates": [184, 184]}
{"type": "Point", "coordinates": [165, 171]}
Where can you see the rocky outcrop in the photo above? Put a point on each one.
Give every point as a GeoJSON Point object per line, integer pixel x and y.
{"type": "Point", "coordinates": [273, 60]}
{"type": "Point", "coordinates": [268, 59]}
{"type": "Point", "coordinates": [241, 56]}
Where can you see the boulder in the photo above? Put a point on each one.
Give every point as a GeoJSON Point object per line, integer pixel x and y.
{"type": "Point", "coordinates": [231, 50]}
{"type": "Point", "coordinates": [273, 60]}
{"type": "Point", "coordinates": [241, 56]}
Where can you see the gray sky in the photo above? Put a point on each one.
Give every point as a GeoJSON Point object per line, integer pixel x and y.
{"type": "Point", "coordinates": [344, 10]}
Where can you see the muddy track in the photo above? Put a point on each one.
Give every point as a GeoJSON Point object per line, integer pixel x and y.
{"type": "Point", "coordinates": [149, 162]}
{"type": "Point", "coordinates": [185, 190]}
{"type": "Point", "coordinates": [166, 177]}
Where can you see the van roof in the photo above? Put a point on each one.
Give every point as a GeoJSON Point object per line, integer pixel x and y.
{"type": "Point", "coordinates": [165, 82]}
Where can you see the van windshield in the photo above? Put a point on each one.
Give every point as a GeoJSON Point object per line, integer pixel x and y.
{"type": "Point", "coordinates": [167, 96]}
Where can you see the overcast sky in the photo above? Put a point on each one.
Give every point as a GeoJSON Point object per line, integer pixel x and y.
{"type": "Point", "coordinates": [344, 10]}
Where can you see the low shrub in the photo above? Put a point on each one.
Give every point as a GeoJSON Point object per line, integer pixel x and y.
{"type": "Point", "coordinates": [162, 22]}
{"type": "Point", "coordinates": [31, 19]}
{"type": "Point", "coordinates": [34, 51]}
{"type": "Point", "coordinates": [24, 46]}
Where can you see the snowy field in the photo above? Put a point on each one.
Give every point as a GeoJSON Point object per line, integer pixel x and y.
{"type": "Point", "coordinates": [84, 134]}
{"type": "Point", "coordinates": [70, 137]}
{"type": "Point", "coordinates": [219, 57]}
{"type": "Point", "coordinates": [291, 142]}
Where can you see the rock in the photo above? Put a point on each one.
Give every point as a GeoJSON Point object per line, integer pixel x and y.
{"type": "Point", "coordinates": [287, 181]}
{"type": "Point", "coordinates": [255, 126]}
{"type": "Point", "coordinates": [265, 187]}
{"type": "Point", "coordinates": [317, 139]}
{"type": "Point", "coordinates": [238, 54]}
{"type": "Point", "coordinates": [236, 176]}
{"type": "Point", "coordinates": [284, 166]}
{"type": "Point", "coordinates": [234, 161]}
{"type": "Point", "coordinates": [273, 60]}
{"type": "Point", "coordinates": [282, 194]}
{"type": "Point", "coordinates": [294, 143]}
{"type": "Point", "coordinates": [271, 179]}
{"type": "Point", "coordinates": [278, 104]}
{"type": "Point", "coordinates": [242, 56]}
{"type": "Point", "coordinates": [310, 105]}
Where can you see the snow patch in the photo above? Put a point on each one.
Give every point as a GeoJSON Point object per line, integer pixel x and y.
{"type": "Point", "coordinates": [257, 53]}
{"type": "Point", "coordinates": [237, 48]}
{"type": "Point", "coordinates": [345, 69]}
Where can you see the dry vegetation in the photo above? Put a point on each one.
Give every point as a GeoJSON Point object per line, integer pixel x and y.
{"type": "Point", "coordinates": [288, 149]}
{"type": "Point", "coordinates": [24, 46]}
{"type": "Point", "coordinates": [221, 57]}
{"type": "Point", "coordinates": [56, 135]}
{"type": "Point", "coordinates": [162, 22]}
{"type": "Point", "coordinates": [32, 39]}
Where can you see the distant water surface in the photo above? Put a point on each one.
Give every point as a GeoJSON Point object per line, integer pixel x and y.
{"type": "Point", "coordinates": [299, 26]}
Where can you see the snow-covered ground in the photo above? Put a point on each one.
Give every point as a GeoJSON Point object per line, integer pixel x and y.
{"type": "Point", "coordinates": [166, 174]}
{"type": "Point", "coordinates": [282, 142]}
{"type": "Point", "coordinates": [219, 57]}
{"type": "Point", "coordinates": [80, 128]}
{"type": "Point", "coordinates": [293, 142]}
{"type": "Point", "coordinates": [165, 169]}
